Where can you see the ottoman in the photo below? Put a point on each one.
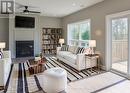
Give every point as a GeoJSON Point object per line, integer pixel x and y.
{"type": "Point", "coordinates": [55, 80]}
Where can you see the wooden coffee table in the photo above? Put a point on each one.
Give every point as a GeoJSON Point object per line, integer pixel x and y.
{"type": "Point", "coordinates": [37, 66]}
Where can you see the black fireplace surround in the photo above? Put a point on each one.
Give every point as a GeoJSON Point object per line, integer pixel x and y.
{"type": "Point", "coordinates": [24, 49]}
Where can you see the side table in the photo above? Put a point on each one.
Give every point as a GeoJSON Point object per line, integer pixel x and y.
{"type": "Point", "coordinates": [91, 58]}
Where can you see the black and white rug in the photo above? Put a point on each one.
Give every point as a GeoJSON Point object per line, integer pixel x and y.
{"type": "Point", "coordinates": [72, 74]}
{"type": "Point", "coordinates": [21, 82]}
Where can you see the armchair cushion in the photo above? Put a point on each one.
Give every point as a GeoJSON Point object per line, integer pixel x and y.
{"type": "Point", "coordinates": [6, 54]}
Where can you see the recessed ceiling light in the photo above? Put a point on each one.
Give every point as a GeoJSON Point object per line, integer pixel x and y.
{"type": "Point", "coordinates": [74, 4]}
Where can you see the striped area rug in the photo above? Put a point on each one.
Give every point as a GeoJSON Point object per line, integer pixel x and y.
{"type": "Point", "coordinates": [72, 74]}
{"type": "Point", "coordinates": [21, 82]}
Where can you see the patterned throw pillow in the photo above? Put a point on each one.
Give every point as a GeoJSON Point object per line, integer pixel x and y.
{"type": "Point", "coordinates": [80, 50]}
{"type": "Point", "coordinates": [87, 51]}
{"type": "Point", "coordinates": [65, 48]}
{"type": "Point", "coordinates": [72, 49]}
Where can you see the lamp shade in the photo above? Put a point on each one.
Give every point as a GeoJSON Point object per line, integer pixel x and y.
{"type": "Point", "coordinates": [2, 45]}
{"type": "Point", "coordinates": [92, 43]}
{"type": "Point", "coordinates": [61, 41]}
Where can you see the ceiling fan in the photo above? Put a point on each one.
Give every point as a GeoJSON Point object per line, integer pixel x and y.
{"type": "Point", "coordinates": [26, 10]}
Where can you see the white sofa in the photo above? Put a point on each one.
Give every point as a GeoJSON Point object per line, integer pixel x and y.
{"type": "Point", "coordinates": [77, 61]}
{"type": "Point", "coordinates": [5, 65]}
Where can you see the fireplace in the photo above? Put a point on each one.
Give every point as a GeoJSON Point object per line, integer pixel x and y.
{"type": "Point", "coordinates": [24, 49]}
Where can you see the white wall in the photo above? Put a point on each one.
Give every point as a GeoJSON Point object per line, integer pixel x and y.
{"type": "Point", "coordinates": [35, 34]}
{"type": "Point", "coordinates": [48, 22]}
{"type": "Point", "coordinates": [97, 14]}
{"type": "Point", "coordinates": [4, 31]}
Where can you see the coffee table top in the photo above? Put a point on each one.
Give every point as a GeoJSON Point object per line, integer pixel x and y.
{"type": "Point", "coordinates": [34, 62]}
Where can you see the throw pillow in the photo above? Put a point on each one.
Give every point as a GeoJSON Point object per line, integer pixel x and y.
{"type": "Point", "coordinates": [65, 48]}
{"type": "Point", "coordinates": [80, 50]}
{"type": "Point", "coordinates": [87, 51]}
{"type": "Point", "coordinates": [72, 49]}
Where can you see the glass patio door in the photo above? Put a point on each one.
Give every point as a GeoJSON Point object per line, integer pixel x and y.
{"type": "Point", "coordinates": [119, 42]}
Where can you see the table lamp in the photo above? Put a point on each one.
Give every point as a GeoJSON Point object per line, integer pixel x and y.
{"type": "Point", "coordinates": [61, 41]}
{"type": "Point", "coordinates": [2, 46]}
{"type": "Point", "coordinates": [92, 44]}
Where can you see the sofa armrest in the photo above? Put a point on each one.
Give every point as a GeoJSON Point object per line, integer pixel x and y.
{"type": "Point", "coordinates": [58, 49]}
{"type": "Point", "coordinates": [80, 61]}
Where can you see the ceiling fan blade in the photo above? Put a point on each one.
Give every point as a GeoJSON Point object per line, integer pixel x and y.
{"type": "Point", "coordinates": [34, 12]}
{"type": "Point", "coordinates": [21, 5]}
{"type": "Point", "coordinates": [26, 8]}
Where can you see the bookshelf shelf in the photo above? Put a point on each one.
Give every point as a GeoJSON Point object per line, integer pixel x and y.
{"type": "Point", "coordinates": [50, 39]}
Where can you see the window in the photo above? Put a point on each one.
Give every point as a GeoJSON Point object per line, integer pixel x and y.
{"type": "Point", "coordinates": [120, 29]}
{"type": "Point", "coordinates": [79, 33]}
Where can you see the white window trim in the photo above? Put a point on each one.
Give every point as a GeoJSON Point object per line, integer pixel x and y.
{"type": "Point", "coordinates": [79, 22]}
{"type": "Point", "coordinates": [108, 40]}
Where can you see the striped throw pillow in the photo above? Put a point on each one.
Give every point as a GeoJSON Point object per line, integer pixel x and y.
{"type": "Point", "coordinates": [80, 50]}
{"type": "Point", "coordinates": [65, 48]}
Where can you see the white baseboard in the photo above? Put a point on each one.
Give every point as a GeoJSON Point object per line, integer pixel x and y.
{"type": "Point", "coordinates": [103, 67]}
{"type": "Point", "coordinates": [121, 74]}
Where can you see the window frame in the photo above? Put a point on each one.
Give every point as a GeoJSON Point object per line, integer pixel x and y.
{"type": "Point", "coordinates": [79, 40]}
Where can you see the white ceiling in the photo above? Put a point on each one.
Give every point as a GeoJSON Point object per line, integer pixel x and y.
{"type": "Point", "coordinates": [57, 8]}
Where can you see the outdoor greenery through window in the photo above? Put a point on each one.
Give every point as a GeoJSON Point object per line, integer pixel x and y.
{"type": "Point", "coordinates": [120, 39]}
{"type": "Point", "coordinates": [120, 29]}
{"type": "Point", "coordinates": [79, 33]}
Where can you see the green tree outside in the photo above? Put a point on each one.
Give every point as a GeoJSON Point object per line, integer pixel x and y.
{"type": "Point", "coordinates": [85, 35]}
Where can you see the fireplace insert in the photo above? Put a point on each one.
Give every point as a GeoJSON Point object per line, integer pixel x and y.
{"type": "Point", "coordinates": [24, 49]}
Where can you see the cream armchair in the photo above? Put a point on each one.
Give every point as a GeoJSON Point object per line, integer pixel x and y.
{"type": "Point", "coordinates": [5, 65]}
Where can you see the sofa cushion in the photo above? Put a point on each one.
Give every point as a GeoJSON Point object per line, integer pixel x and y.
{"type": "Point", "coordinates": [71, 58]}
{"type": "Point", "coordinates": [62, 53]}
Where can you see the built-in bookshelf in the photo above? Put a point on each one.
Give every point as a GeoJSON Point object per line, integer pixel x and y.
{"type": "Point", "coordinates": [50, 39]}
